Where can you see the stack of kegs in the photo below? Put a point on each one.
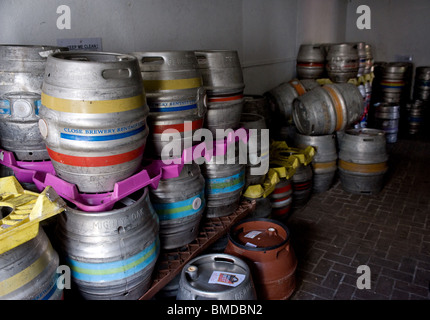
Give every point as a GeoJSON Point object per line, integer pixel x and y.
{"type": "Point", "coordinates": [418, 108]}
{"type": "Point", "coordinates": [28, 271]}
{"type": "Point", "coordinates": [387, 116]}
{"type": "Point", "coordinates": [93, 121]}
{"type": "Point", "coordinates": [21, 75]}
{"type": "Point", "coordinates": [223, 81]}
{"type": "Point", "coordinates": [225, 176]}
{"type": "Point", "coordinates": [392, 85]}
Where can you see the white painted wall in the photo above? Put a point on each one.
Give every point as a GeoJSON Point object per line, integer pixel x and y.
{"type": "Point", "coordinates": [262, 31]}
{"type": "Point", "coordinates": [321, 21]}
{"type": "Point", "coordinates": [398, 27]}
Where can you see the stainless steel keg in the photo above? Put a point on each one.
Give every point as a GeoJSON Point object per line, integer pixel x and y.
{"type": "Point", "coordinates": [329, 108]}
{"type": "Point", "coordinates": [93, 117]}
{"type": "Point", "coordinates": [310, 61]}
{"type": "Point", "coordinates": [216, 276]}
{"type": "Point", "coordinates": [387, 116]}
{"type": "Point", "coordinates": [111, 254]}
{"type": "Point", "coordinates": [29, 271]}
{"type": "Point", "coordinates": [324, 163]}
{"type": "Point", "coordinates": [175, 96]}
{"type": "Point", "coordinates": [282, 96]}
{"type": "Point", "coordinates": [22, 68]}
{"type": "Point", "coordinates": [342, 62]}
{"type": "Point", "coordinates": [224, 184]}
{"type": "Point", "coordinates": [362, 160]}
{"type": "Point", "coordinates": [180, 203]}
{"type": "Point", "coordinates": [19, 131]}
{"type": "Point", "coordinates": [223, 81]}
{"type": "Point", "coordinates": [258, 147]}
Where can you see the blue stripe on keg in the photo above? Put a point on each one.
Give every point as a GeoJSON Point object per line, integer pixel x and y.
{"type": "Point", "coordinates": [171, 106]}
{"type": "Point", "coordinates": [5, 107]}
{"type": "Point", "coordinates": [37, 104]}
{"type": "Point", "coordinates": [226, 184]}
{"type": "Point", "coordinates": [102, 137]}
{"type": "Point", "coordinates": [117, 270]}
{"type": "Point", "coordinates": [51, 292]}
{"type": "Point", "coordinates": [179, 209]}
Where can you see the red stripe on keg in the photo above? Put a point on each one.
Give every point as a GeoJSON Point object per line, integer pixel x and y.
{"type": "Point", "coordinates": [281, 199]}
{"type": "Point", "coordinates": [282, 189]}
{"type": "Point", "coordinates": [302, 186]}
{"type": "Point", "coordinates": [281, 212]}
{"type": "Point", "coordinates": [198, 124]}
{"type": "Point", "coordinates": [310, 64]}
{"type": "Point", "coordinates": [224, 99]}
{"type": "Point", "coordinates": [95, 161]}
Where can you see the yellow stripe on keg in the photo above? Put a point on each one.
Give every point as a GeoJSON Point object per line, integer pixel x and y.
{"type": "Point", "coordinates": [172, 84]}
{"type": "Point", "coordinates": [363, 168]}
{"type": "Point", "coordinates": [25, 276]}
{"type": "Point", "coordinates": [324, 165]}
{"type": "Point", "coordinates": [93, 106]}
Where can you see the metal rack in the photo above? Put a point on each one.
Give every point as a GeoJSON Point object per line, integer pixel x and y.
{"type": "Point", "coordinates": [171, 262]}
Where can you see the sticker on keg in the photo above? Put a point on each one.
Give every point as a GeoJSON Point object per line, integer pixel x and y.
{"type": "Point", "coordinates": [249, 244]}
{"type": "Point", "coordinates": [252, 234]}
{"type": "Point", "coordinates": [226, 278]}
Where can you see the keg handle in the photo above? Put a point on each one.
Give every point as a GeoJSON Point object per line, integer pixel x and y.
{"type": "Point", "coordinates": [223, 259]}
{"type": "Point", "coordinates": [124, 73]}
{"type": "Point", "coordinates": [152, 60]}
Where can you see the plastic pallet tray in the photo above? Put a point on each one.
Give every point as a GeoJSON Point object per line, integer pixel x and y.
{"type": "Point", "coordinates": [170, 262]}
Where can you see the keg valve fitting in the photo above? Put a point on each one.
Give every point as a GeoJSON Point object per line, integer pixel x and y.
{"type": "Point", "coordinates": [192, 272]}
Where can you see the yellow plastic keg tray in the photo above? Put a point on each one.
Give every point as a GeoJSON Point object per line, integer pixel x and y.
{"type": "Point", "coordinates": [283, 163]}
{"type": "Point", "coordinates": [22, 210]}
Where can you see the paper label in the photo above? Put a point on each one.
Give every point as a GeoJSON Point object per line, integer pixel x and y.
{"type": "Point", "coordinates": [226, 278]}
{"type": "Point", "coordinates": [252, 234]}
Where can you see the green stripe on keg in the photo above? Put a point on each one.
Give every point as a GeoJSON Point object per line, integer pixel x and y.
{"type": "Point", "coordinates": [180, 209]}
{"type": "Point", "coordinates": [93, 106]}
{"type": "Point", "coordinates": [116, 270]}
{"type": "Point", "coordinates": [226, 184]}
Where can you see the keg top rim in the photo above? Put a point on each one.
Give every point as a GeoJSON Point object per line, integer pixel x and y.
{"type": "Point", "coordinates": [231, 237]}
{"type": "Point", "coordinates": [365, 131]}
{"type": "Point", "coordinates": [63, 55]}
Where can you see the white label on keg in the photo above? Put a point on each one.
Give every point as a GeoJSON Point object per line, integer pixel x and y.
{"type": "Point", "coordinates": [226, 278]}
{"type": "Point", "coordinates": [127, 201]}
{"type": "Point", "coordinates": [249, 244]}
{"type": "Point", "coordinates": [252, 234]}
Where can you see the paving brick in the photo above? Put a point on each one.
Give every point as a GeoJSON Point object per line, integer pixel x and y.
{"type": "Point", "coordinates": [390, 232]}
{"type": "Point", "coordinates": [332, 280]}
{"type": "Point", "coordinates": [323, 267]}
{"type": "Point", "coordinates": [384, 286]}
{"type": "Point", "coordinates": [344, 292]}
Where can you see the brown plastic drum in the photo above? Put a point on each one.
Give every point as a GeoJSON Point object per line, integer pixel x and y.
{"type": "Point", "coordinates": [265, 245]}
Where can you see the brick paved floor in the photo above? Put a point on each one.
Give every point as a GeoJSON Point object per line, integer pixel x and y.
{"type": "Point", "coordinates": [336, 231]}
